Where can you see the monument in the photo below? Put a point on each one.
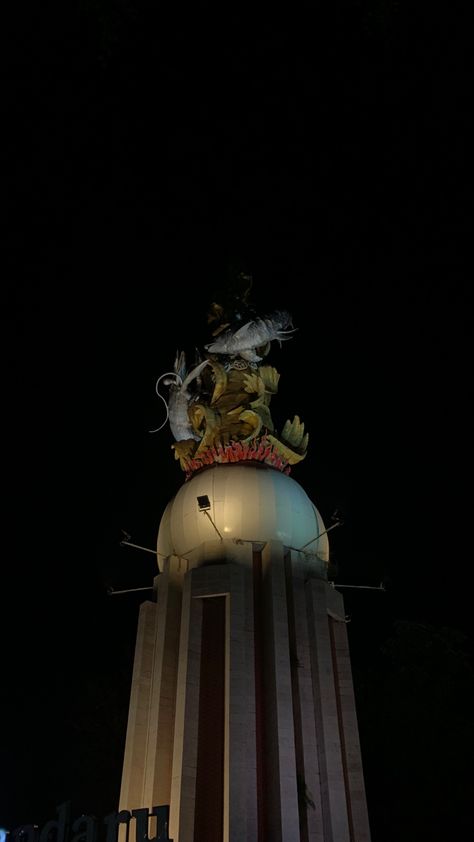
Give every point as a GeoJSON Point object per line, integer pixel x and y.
{"type": "Point", "coordinates": [242, 714]}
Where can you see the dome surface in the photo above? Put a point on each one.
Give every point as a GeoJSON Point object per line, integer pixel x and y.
{"type": "Point", "coordinates": [248, 503]}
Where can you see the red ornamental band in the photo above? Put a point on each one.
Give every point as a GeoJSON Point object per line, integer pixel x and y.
{"type": "Point", "coordinates": [258, 449]}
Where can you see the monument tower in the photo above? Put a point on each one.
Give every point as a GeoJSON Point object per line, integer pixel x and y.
{"type": "Point", "coordinates": [242, 716]}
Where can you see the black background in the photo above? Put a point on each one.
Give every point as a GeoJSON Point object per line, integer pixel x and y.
{"type": "Point", "coordinates": [324, 149]}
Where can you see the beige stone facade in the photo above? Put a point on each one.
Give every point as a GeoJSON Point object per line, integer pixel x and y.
{"type": "Point", "coordinates": [276, 757]}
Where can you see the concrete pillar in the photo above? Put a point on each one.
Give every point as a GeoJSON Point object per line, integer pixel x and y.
{"type": "Point", "coordinates": [239, 768]}
{"type": "Point", "coordinates": [140, 710]}
{"type": "Point", "coordinates": [159, 756]}
{"type": "Point", "coordinates": [333, 791]}
{"type": "Point", "coordinates": [281, 794]}
{"type": "Point", "coordinates": [306, 739]}
{"type": "Point", "coordinates": [356, 798]}
{"type": "Point", "coordinates": [183, 782]}
{"type": "Point", "coordinates": [146, 779]}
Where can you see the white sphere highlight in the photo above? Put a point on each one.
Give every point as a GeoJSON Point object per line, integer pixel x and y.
{"type": "Point", "coordinates": [246, 502]}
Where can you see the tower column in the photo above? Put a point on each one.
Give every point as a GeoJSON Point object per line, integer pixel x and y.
{"type": "Point", "coordinates": [157, 783]}
{"type": "Point", "coordinates": [281, 794]}
{"type": "Point", "coordinates": [327, 719]}
{"type": "Point", "coordinates": [358, 814]}
{"type": "Point", "coordinates": [306, 738]}
{"type": "Point", "coordinates": [149, 744]}
{"type": "Point", "coordinates": [197, 769]}
{"type": "Point", "coordinates": [183, 783]}
{"type": "Point", "coordinates": [140, 710]}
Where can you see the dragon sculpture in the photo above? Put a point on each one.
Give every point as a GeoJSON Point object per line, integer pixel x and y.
{"type": "Point", "coordinates": [219, 410]}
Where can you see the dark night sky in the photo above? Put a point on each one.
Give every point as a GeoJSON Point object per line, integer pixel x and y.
{"type": "Point", "coordinates": [326, 153]}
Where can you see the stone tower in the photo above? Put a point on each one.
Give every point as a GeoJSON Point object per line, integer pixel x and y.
{"type": "Point", "coordinates": [242, 715]}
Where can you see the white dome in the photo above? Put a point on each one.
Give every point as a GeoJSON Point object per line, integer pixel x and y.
{"type": "Point", "coordinates": [247, 502]}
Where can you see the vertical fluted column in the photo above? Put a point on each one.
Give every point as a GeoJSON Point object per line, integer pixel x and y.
{"type": "Point", "coordinates": [306, 741]}
{"type": "Point", "coordinates": [281, 794]}
{"type": "Point", "coordinates": [183, 782]}
{"type": "Point", "coordinates": [239, 768]}
{"type": "Point", "coordinates": [356, 798]}
{"type": "Point", "coordinates": [133, 776]}
{"type": "Point", "coordinates": [333, 789]}
{"type": "Point", "coordinates": [159, 756]}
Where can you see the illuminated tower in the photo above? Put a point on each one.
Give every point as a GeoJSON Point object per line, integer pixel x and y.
{"type": "Point", "coordinates": [242, 715]}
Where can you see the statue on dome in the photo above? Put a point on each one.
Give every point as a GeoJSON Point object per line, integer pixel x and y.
{"type": "Point", "coordinates": [219, 409]}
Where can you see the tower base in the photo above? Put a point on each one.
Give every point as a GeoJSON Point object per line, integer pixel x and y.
{"type": "Point", "coordinates": [242, 713]}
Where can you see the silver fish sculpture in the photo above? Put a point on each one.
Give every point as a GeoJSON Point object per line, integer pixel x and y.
{"type": "Point", "coordinates": [252, 335]}
{"type": "Point", "coordinates": [179, 398]}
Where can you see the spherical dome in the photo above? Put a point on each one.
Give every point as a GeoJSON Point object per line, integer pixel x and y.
{"type": "Point", "coordinates": [247, 502]}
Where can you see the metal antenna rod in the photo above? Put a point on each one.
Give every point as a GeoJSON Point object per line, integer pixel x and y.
{"type": "Point", "coordinates": [137, 547]}
{"type": "Point", "coordinates": [112, 592]}
{"type": "Point", "coordinates": [205, 512]}
{"type": "Point", "coordinates": [365, 587]}
{"type": "Point", "coordinates": [316, 537]}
